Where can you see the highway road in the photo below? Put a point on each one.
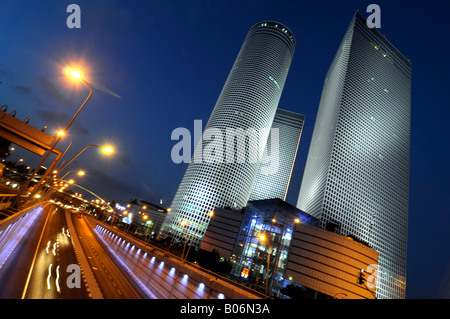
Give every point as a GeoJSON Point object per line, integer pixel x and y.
{"type": "Point", "coordinates": [47, 278]}
{"type": "Point", "coordinates": [14, 272]}
{"type": "Point", "coordinates": [37, 267]}
{"type": "Point", "coordinates": [47, 263]}
{"type": "Point", "coordinates": [112, 280]}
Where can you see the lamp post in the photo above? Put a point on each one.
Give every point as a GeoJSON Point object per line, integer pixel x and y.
{"type": "Point", "coordinates": [78, 76]}
{"type": "Point", "coordinates": [25, 186]}
{"type": "Point", "coordinates": [264, 238]}
{"type": "Point", "coordinates": [151, 232]}
{"type": "Point", "coordinates": [210, 213]}
{"type": "Point", "coordinates": [128, 225]}
{"type": "Point", "coordinates": [80, 173]}
{"type": "Point", "coordinates": [50, 192]}
{"type": "Point", "coordinates": [184, 224]}
{"type": "Point", "coordinates": [107, 149]}
{"type": "Point", "coordinates": [62, 134]}
{"type": "Point", "coordinates": [147, 223]}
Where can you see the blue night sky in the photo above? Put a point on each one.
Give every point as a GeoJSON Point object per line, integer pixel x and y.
{"type": "Point", "coordinates": [159, 65]}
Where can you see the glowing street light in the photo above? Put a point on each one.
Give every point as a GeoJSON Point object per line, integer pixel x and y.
{"type": "Point", "coordinates": [77, 75]}
{"type": "Point", "coordinates": [263, 238]}
{"type": "Point", "coordinates": [106, 149]}
{"type": "Point", "coordinates": [184, 223]}
{"type": "Point", "coordinates": [61, 180]}
{"type": "Point", "coordinates": [80, 173]}
{"type": "Point", "coordinates": [62, 134]}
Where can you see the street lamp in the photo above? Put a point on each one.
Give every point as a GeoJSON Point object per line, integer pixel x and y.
{"type": "Point", "coordinates": [75, 74]}
{"type": "Point", "coordinates": [106, 149]}
{"type": "Point", "coordinates": [145, 217]}
{"type": "Point", "coordinates": [80, 173]}
{"type": "Point", "coordinates": [49, 191]}
{"type": "Point", "coordinates": [148, 223]}
{"type": "Point", "coordinates": [267, 238]}
{"type": "Point", "coordinates": [184, 223]}
{"type": "Point", "coordinates": [264, 238]}
{"type": "Point", "coordinates": [128, 222]}
{"type": "Point", "coordinates": [62, 134]}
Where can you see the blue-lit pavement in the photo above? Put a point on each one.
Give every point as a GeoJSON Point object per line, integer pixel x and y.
{"type": "Point", "coordinates": [14, 232]}
{"type": "Point", "coordinates": [162, 276]}
{"type": "Point", "coordinates": [37, 258]}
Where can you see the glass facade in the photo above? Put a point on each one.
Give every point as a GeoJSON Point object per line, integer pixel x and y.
{"type": "Point", "coordinates": [217, 176]}
{"type": "Point", "coordinates": [356, 178]}
{"type": "Point", "coordinates": [273, 178]}
{"type": "Point", "coordinates": [260, 262]}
